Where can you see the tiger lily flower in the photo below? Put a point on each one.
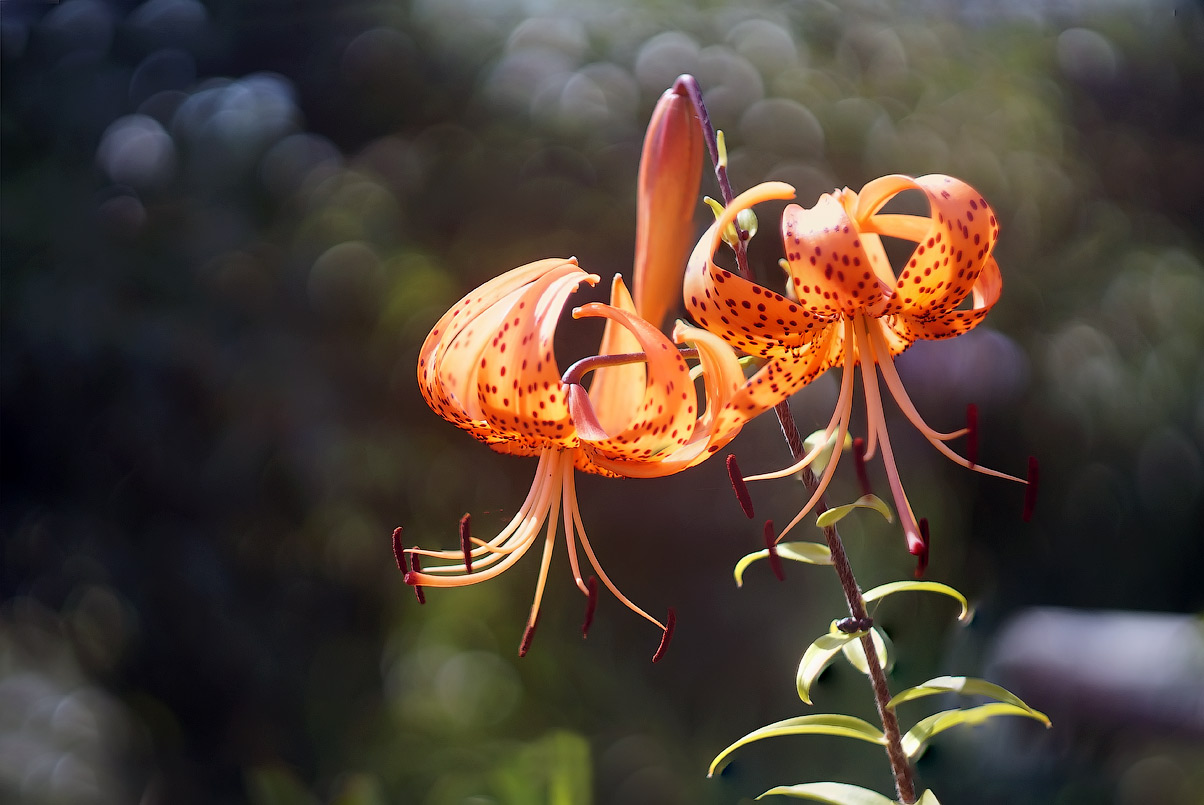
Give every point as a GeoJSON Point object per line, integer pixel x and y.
{"type": "Point", "coordinates": [847, 307]}
{"type": "Point", "coordinates": [489, 367]}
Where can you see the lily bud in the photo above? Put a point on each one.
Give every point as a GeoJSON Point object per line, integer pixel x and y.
{"type": "Point", "coordinates": [670, 176]}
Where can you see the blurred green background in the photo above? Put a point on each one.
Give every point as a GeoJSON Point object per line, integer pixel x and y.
{"type": "Point", "coordinates": [227, 227]}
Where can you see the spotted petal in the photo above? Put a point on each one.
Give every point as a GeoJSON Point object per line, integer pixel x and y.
{"type": "Point", "coordinates": [517, 378]}
{"type": "Point", "coordinates": [616, 391]}
{"type": "Point", "coordinates": [664, 420]}
{"type": "Point", "coordinates": [901, 330]}
{"type": "Point", "coordinates": [833, 269]}
{"type": "Point", "coordinates": [953, 243]}
{"type": "Point", "coordinates": [744, 314]}
{"type": "Point", "coordinates": [450, 353]}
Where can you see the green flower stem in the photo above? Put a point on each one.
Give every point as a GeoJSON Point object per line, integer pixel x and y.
{"type": "Point", "coordinates": [904, 784]}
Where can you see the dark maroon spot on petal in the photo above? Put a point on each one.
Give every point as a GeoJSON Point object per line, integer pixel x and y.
{"type": "Point", "coordinates": [1030, 492]}
{"type": "Point", "coordinates": [670, 625]}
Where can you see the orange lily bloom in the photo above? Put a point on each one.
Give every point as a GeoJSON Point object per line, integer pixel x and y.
{"type": "Point", "coordinates": [488, 366]}
{"type": "Point", "coordinates": [849, 308]}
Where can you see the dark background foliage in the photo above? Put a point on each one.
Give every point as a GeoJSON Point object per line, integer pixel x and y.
{"type": "Point", "coordinates": [227, 227]}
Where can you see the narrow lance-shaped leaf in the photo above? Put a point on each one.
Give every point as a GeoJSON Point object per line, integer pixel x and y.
{"type": "Point", "coordinates": [831, 793]}
{"type": "Point", "coordinates": [918, 736]}
{"type": "Point", "coordinates": [855, 653]}
{"type": "Point", "coordinates": [827, 724]}
{"type": "Point", "coordinates": [965, 685]}
{"type": "Point", "coordinates": [837, 513]}
{"type": "Point", "coordinates": [816, 658]}
{"type": "Point", "coordinates": [918, 586]}
{"type": "Point", "coordinates": [811, 553]}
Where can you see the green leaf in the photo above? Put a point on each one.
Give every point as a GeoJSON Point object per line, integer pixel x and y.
{"type": "Point", "coordinates": [820, 438]}
{"type": "Point", "coordinates": [965, 685]}
{"type": "Point", "coordinates": [918, 586]}
{"type": "Point", "coordinates": [831, 793]}
{"type": "Point", "coordinates": [918, 736]}
{"type": "Point", "coordinates": [855, 654]}
{"type": "Point", "coordinates": [810, 552]}
{"type": "Point", "coordinates": [838, 513]}
{"type": "Point", "coordinates": [927, 798]}
{"type": "Point", "coordinates": [827, 724]}
{"type": "Point", "coordinates": [816, 658]}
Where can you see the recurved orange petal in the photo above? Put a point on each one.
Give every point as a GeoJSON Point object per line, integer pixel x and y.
{"type": "Point", "coordinates": [953, 243]}
{"type": "Point", "coordinates": [903, 329]}
{"type": "Point", "coordinates": [832, 270]}
{"type": "Point", "coordinates": [446, 361]}
{"type": "Point", "coordinates": [616, 391]}
{"type": "Point", "coordinates": [664, 420]}
{"type": "Point", "coordinates": [744, 314]}
{"type": "Point", "coordinates": [517, 378]}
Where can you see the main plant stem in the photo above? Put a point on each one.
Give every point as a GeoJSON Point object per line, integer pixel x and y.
{"type": "Point", "coordinates": [904, 784]}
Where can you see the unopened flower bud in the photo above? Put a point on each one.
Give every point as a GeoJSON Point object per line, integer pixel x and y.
{"type": "Point", "coordinates": [670, 175]}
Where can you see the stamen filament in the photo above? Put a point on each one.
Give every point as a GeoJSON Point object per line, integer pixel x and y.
{"type": "Point", "coordinates": [570, 538]}
{"type": "Point", "coordinates": [548, 546]}
{"type": "Point", "coordinates": [877, 422]}
{"type": "Point", "coordinates": [845, 409]}
{"type": "Point", "coordinates": [593, 560]}
{"type": "Point", "coordinates": [937, 439]}
{"type": "Point", "coordinates": [521, 541]}
{"type": "Point", "coordinates": [494, 549]}
{"type": "Point", "coordinates": [844, 402]}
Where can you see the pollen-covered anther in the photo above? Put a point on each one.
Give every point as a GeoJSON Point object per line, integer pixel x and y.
{"type": "Point", "coordinates": [399, 553]}
{"type": "Point", "coordinates": [972, 434]}
{"type": "Point", "coordinates": [1030, 491]}
{"type": "Point", "coordinates": [591, 603]}
{"type": "Point", "coordinates": [466, 541]}
{"type": "Point", "coordinates": [670, 625]}
{"type": "Point", "coordinates": [411, 578]}
{"type": "Point", "coordinates": [771, 546]}
{"type": "Point", "coordinates": [739, 487]}
{"type": "Point", "coordinates": [528, 636]}
{"type": "Point", "coordinates": [863, 476]}
{"type": "Point", "coordinates": [922, 554]}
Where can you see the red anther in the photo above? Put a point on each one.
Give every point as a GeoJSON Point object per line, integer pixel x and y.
{"type": "Point", "coordinates": [1030, 491]}
{"type": "Point", "coordinates": [399, 552]}
{"type": "Point", "coordinates": [591, 603]}
{"type": "Point", "coordinates": [863, 477]}
{"type": "Point", "coordinates": [972, 434]}
{"type": "Point", "coordinates": [922, 555]}
{"type": "Point", "coordinates": [528, 635]}
{"type": "Point", "coordinates": [738, 486]}
{"type": "Point", "coordinates": [411, 579]}
{"type": "Point", "coordinates": [670, 625]}
{"type": "Point", "coordinates": [771, 545]}
{"type": "Point", "coordinates": [466, 541]}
